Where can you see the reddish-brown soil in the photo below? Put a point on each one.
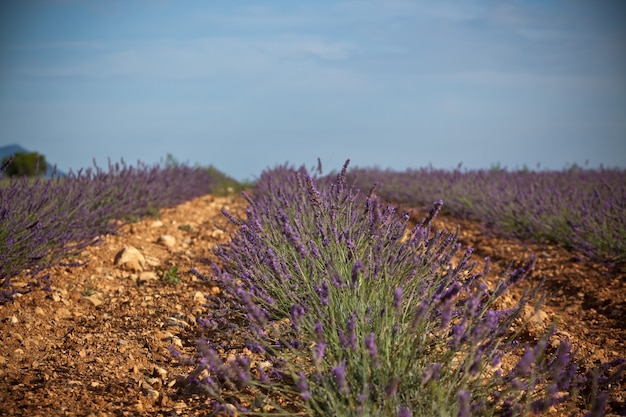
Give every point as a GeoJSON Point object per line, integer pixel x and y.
{"type": "Point", "coordinates": [97, 344]}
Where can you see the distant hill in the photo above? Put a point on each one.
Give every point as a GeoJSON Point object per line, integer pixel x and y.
{"type": "Point", "coordinates": [12, 149]}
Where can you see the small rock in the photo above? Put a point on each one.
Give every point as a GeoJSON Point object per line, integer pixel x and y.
{"type": "Point", "coordinates": [199, 297]}
{"type": "Point", "coordinates": [167, 241]}
{"type": "Point", "coordinates": [156, 223]}
{"type": "Point", "coordinates": [175, 340]}
{"type": "Point", "coordinates": [538, 320]}
{"type": "Point", "coordinates": [176, 322]}
{"type": "Point", "coordinates": [217, 233]}
{"type": "Point", "coordinates": [62, 313]}
{"type": "Point", "coordinates": [130, 259]}
{"type": "Point", "coordinates": [13, 320]}
{"type": "Point", "coordinates": [152, 261]}
{"type": "Point", "coordinates": [152, 382]}
{"type": "Point", "coordinates": [93, 299]}
{"type": "Point", "coordinates": [181, 405]}
{"type": "Point", "coordinates": [147, 276]}
{"type": "Point", "coordinates": [152, 394]}
{"type": "Point", "coordinates": [160, 372]}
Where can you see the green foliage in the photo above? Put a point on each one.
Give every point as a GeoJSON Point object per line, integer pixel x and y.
{"type": "Point", "coordinates": [25, 164]}
{"type": "Point", "coordinates": [170, 276]}
{"type": "Point", "coordinates": [225, 185]}
{"type": "Point", "coordinates": [89, 291]}
{"type": "Point", "coordinates": [186, 228]}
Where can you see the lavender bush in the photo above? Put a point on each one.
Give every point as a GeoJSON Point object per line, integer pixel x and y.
{"type": "Point", "coordinates": [579, 208]}
{"type": "Point", "coordinates": [345, 313]}
{"type": "Point", "coordinates": [43, 220]}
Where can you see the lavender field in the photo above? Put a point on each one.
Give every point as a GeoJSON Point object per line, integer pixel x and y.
{"type": "Point", "coordinates": [343, 306]}
{"type": "Point", "coordinates": [581, 209]}
{"type": "Point", "coordinates": [376, 321]}
{"type": "Point", "coordinates": [44, 221]}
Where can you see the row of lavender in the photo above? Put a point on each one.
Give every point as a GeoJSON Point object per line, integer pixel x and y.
{"type": "Point", "coordinates": [42, 221]}
{"type": "Point", "coordinates": [582, 209]}
{"type": "Point", "coordinates": [344, 314]}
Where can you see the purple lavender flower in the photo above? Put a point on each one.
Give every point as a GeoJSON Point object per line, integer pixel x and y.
{"type": "Point", "coordinates": [458, 334]}
{"type": "Point", "coordinates": [242, 367]}
{"type": "Point", "coordinates": [294, 238]}
{"type": "Point", "coordinates": [303, 387]}
{"type": "Point", "coordinates": [405, 411]}
{"type": "Point", "coordinates": [207, 324]}
{"type": "Point", "coordinates": [336, 280]}
{"type": "Point", "coordinates": [495, 361]}
{"type": "Point", "coordinates": [339, 372]}
{"type": "Point", "coordinates": [432, 373]}
{"type": "Point", "coordinates": [599, 405]}
{"type": "Point", "coordinates": [356, 269]}
{"type": "Point", "coordinates": [397, 300]}
{"type": "Point", "coordinates": [318, 352]}
{"type": "Point", "coordinates": [314, 250]}
{"type": "Point", "coordinates": [463, 398]}
{"type": "Point", "coordinates": [525, 364]}
{"type": "Point", "coordinates": [323, 293]}
{"type": "Point", "coordinates": [348, 340]}
{"type": "Point", "coordinates": [391, 388]}
{"type": "Point", "coordinates": [297, 312]}
{"type": "Point", "coordinates": [361, 400]}
{"type": "Point", "coordinates": [319, 330]}
{"type": "Point", "coordinates": [451, 292]}
{"type": "Point", "coordinates": [264, 378]}
{"type": "Point", "coordinates": [370, 345]}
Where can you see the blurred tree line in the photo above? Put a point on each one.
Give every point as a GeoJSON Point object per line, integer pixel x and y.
{"type": "Point", "coordinates": [24, 164]}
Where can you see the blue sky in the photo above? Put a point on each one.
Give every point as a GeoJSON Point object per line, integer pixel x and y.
{"type": "Point", "coordinates": [246, 85]}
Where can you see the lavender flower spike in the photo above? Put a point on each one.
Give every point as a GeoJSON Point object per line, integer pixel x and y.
{"type": "Point", "coordinates": [339, 372]}
{"type": "Point", "coordinates": [464, 403]}
{"type": "Point", "coordinates": [397, 299]}
{"type": "Point", "coordinates": [370, 345]}
{"type": "Point", "coordinates": [303, 387]}
{"type": "Point", "coordinates": [405, 411]}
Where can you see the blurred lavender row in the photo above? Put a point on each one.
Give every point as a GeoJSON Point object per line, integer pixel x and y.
{"type": "Point", "coordinates": [345, 312]}
{"type": "Point", "coordinates": [44, 220]}
{"type": "Point", "coordinates": [582, 209]}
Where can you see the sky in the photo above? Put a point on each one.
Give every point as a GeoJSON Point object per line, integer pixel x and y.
{"type": "Point", "coordinates": [247, 85]}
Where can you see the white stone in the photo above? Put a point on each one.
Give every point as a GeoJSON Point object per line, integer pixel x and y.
{"type": "Point", "coordinates": [147, 276]}
{"type": "Point", "coordinates": [130, 259]}
{"type": "Point", "coordinates": [167, 241]}
{"type": "Point", "coordinates": [199, 297]}
{"type": "Point", "coordinates": [93, 299]}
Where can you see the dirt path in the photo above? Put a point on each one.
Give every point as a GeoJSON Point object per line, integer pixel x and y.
{"type": "Point", "coordinates": [97, 344]}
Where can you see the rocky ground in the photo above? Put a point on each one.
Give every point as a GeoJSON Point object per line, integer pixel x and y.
{"type": "Point", "coordinates": [97, 344]}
